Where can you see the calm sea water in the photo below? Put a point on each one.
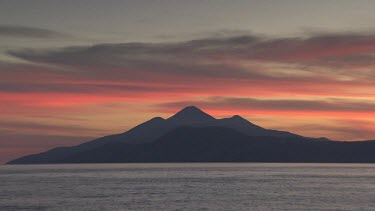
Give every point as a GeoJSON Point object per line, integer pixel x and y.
{"type": "Point", "coordinates": [188, 186]}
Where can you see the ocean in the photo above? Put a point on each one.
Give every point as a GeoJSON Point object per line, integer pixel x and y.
{"type": "Point", "coordinates": [188, 186]}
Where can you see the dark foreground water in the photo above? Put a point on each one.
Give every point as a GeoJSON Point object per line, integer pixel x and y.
{"type": "Point", "coordinates": [189, 186]}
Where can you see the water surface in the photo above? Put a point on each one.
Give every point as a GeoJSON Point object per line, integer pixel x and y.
{"type": "Point", "coordinates": [188, 186]}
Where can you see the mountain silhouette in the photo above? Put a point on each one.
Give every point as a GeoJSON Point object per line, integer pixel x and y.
{"type": "Point", "coordinates": [192, 135]}
{"type": "Point", "coordinates": [190, 114]}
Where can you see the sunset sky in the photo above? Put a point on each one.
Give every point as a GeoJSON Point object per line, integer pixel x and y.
{"type": "Point", "coordinates": [71, 71]}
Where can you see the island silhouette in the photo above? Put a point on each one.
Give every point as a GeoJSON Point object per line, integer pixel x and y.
{"type": "Point", "coordinates": [192, 135]}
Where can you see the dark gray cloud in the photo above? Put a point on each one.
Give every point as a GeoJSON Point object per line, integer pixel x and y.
{"type": "Point", "coordinates": [219, 57]}
{"type": "Point", "coordinates": [134, 54]}
{"type": "Point", "coordinates": [334, 65]}
{"type": "Point", "coordinates": [26, 126]}
{"type": "Point", "coordinates": [21, 87]}
{"type": "Point", "coordinates": [142, 61]}
{"type": "Point", "coordinates": [225, 103]}
{"type": "Point", "coordinates": [30, 32]}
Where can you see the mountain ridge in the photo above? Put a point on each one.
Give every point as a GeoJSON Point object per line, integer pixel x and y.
{"type": "Point", "coordinates": [218, 144]}
{"type": "Point", "coordinates": [191, 129]}
{"type": "Point", "coordinates": [190, 114]}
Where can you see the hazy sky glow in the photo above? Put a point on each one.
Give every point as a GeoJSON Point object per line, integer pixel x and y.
{"type": "Point", "coordinates": [71, 71]}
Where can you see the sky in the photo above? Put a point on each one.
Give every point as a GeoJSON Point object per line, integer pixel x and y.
{"type": "Point", "coordinates": [75, 70]}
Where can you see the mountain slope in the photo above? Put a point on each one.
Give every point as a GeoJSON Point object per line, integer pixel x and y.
{"type": "Point", "coordinates": [190, 115]}
{"type": "Point", "coordinates": [155, 128]}
{"type": "Point", "coordinates": [219, 144]}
